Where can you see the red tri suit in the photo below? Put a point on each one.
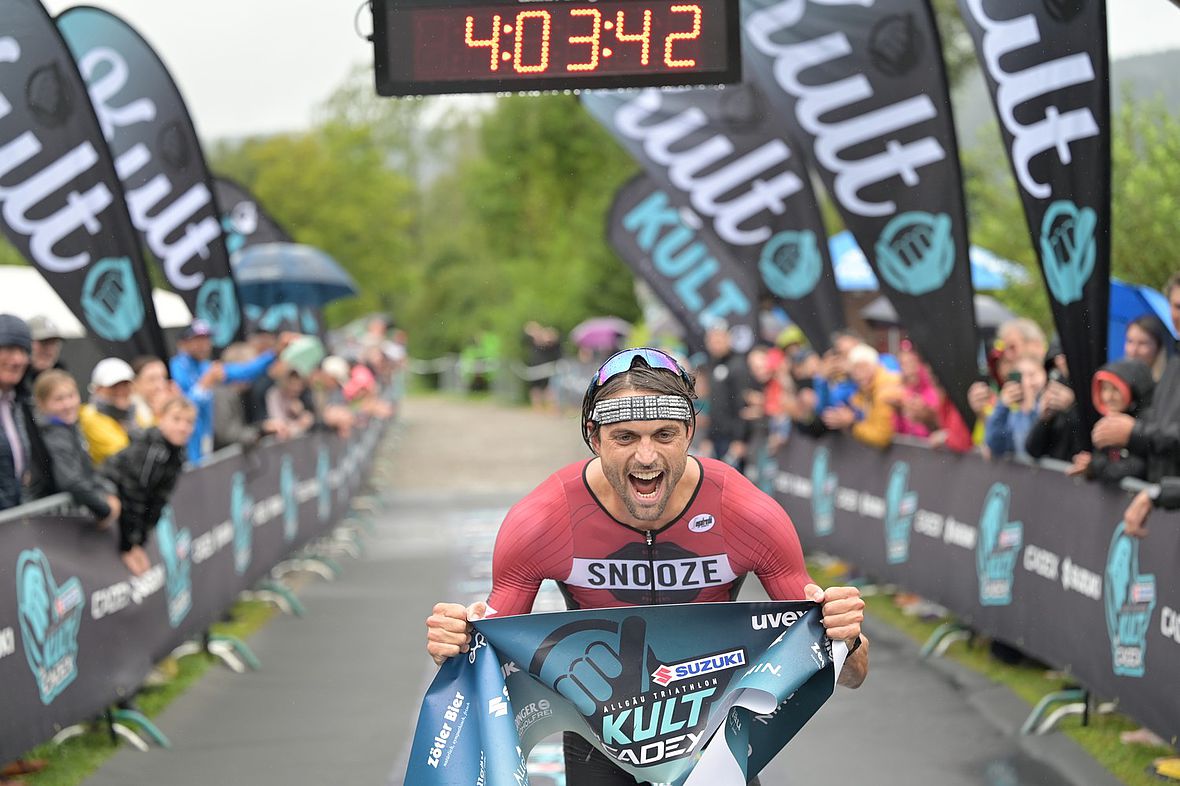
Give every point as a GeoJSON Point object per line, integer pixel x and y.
{"type": "Point", "coordinates": [560, 531]}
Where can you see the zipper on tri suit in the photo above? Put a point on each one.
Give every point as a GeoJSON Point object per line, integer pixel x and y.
{"type": "Point", "coordinates": [651, 563]}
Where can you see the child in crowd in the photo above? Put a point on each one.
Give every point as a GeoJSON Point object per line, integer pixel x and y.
{"type": "Point", "coordinates": [1012, 419]}
{"type": "Point", "coordinates": [1124, 386]}
{"type": "Point", "coordinates": [58, 405]}
{"type": "Point", "coordinates": [146, 473]}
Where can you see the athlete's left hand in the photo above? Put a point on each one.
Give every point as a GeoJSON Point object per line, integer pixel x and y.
{"type": "Point", "coordinates": [843, 610]}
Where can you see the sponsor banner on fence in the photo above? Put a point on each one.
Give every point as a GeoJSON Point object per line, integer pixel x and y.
{"type": "Point", "coordinates": [1020, 553]}
{"type": "Point", "coordinates": [863, 88]}
{"type": "Point", "coordinates": [640, 684]}
{"type": "Point", "coordinates": [61, 204]}
{"type": "Point", "coordinates": [159, 160]}
{"type": "Point", "coordinates": [78, 632]}
{"type": "Point", "coordinates": [720, 155]}
{"type": "Point", "coordinates": [1046, 69]}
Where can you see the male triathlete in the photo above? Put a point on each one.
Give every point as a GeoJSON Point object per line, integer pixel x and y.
{"type": "Point", "coordinates": [644, 523]}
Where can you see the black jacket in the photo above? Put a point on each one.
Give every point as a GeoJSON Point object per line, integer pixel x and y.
{"type": "Point", "coordinates": [1156, 435]}
{"type": "Point", "coordinates": [1059, 437]}
{"type": "Point", "coordinates": [728, 381]}
{"type": "Point", "coordinates": [145, 473]}
{"type": "Point", "coordinates": [73, 472]}
{"type": "Point", "coordinates": [11, 487]}
{"type": "Point", "coordinates": [1112, 465]}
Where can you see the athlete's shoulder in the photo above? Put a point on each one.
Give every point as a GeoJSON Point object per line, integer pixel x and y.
{"type": "Point", "coordinates": [728, 479]}
{"type": "Point", "coordinates": [550, 499]}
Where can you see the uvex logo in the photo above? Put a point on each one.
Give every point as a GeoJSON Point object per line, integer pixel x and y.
{"type": "Point", "coordinates": [741, 219]}
{"type": "Point", "coordinates": [21, 201]}
{"type": "Point", "coordinates": [1054, 130]}
{"type": "Point", "coordinates": [156, 210]}
{"type": "Point", "coordinates": [783, 619]}
{"type": "Point", "coordinates": [834, 139]}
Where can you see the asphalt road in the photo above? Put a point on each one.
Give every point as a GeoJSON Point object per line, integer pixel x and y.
{"type": "Point", "coordinates": [338, 694]}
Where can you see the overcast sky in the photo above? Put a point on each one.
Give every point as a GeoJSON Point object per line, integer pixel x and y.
{"type": "Point", "coordinates": [260, 66]}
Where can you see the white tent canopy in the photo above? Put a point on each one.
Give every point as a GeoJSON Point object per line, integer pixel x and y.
{"type": "Point", "coordinates": [25, 293]}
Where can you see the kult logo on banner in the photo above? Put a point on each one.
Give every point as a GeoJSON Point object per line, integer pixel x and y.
{"type": "Point", "coordinates": [1130, 600]}
{"type": "Point", "coordinates": [50, 616]}
{"type": "Point", "coordinates": [110, 299]}
{"type": "Point", "coordinates": [823, 493]}
{"type": "Point", "coordinates": [241, 505]}
{"type": "Point", "coordinates": [999, 544]}
{"type": "Point", "coordinates": [1069, 250]}
{"type": "Point", "coordinates": [900, 506]}
{"type": "Point", "coordinates": [916, 252]}
{"type": "Point", "coordinates": [791, 264]}
{"type": "Point", "coordinates": [678, 255]}
{"type": "Point", "coordinates": [287, 481]}
{"type": "Point", "coordinates": [176, 550]}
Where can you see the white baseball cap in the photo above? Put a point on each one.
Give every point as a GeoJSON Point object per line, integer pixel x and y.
{"type": "Point", "coordinates": [110, 372]}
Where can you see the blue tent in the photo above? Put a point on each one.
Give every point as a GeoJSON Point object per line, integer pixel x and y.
{"type": "Point", "coordinates": [988, 271]}
{"type": "Point", "coordinates": [1128, 302]}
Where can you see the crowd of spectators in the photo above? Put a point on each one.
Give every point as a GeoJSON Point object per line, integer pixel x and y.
{"type": "Point", "coordinates": [1024, 404]}
{"type": "Point", "coordinates": [119, 454]}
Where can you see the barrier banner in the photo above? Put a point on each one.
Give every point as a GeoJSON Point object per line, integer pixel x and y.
{"type": "Point", "coordinates": [1024, 554]}
{"type": "Point", "coordinates": [61, 204]}
{"type": "Point", "coordinates": [863, 87]}
{"type": "Point", "coordinates": [244, 223]}
{"type": "Point", "coordinates": [159, 160]}
{"type": "Point", "coordinates": [1047, 71]}
{"type": "Point", "coordinates": [719, 153]}
{"type": "Point", "coordinates": [641, 684]}
{"type": "Point", "coordinates": [78, 632]}
{"type": "Point", "coordinates": [680, 262]}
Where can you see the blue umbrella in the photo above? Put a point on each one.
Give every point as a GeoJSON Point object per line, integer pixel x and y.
{"type": "Point", "coordinates": [1128, 302]}
{"type": "Point", "coordinates": [988, 271]}
{"type": "Point", "coordinates": [272, 273]}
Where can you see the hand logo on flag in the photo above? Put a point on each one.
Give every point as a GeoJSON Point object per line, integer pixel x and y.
{"type": "Point", "coordinates": [1069, 251]}
{"type": "Point", "coordinates": [791, 264]}
{"type": "Point", "coordinates": [916, 252]}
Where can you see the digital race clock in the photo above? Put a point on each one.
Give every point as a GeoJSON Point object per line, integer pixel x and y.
{"type": "Point", "coordinates": [427, 46]}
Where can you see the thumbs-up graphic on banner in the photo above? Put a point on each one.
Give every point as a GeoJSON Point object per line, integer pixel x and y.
{"type": "Point", "coordinates": [589, 666]}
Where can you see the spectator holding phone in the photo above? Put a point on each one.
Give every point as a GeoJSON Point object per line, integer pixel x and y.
{"type": "Point", "coordinates": [1057, 432]}
{"type": "Point", "coordinates": [1006, 433]}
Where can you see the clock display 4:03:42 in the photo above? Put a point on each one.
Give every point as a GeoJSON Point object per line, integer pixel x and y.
{"type": "Point", "coordinates": [543, 44]}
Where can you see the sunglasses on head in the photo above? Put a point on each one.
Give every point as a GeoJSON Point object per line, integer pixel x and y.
{"type": "Point", "coordinates": [622, 362]}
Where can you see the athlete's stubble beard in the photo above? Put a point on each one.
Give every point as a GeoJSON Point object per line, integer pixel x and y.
{"type": "Point", "coordinates": [673, 469]}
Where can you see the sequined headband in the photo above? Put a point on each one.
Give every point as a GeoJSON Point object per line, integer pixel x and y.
{"type": "Point", "coordinates": [617, 410]}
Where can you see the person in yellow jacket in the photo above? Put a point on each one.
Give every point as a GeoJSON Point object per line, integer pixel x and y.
{"type": "Point", "coordinates": [108, 419]}
{"type": "Point", "coordinates": [870, 416]}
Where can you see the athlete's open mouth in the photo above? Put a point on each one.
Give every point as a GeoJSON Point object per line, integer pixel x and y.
{"type": "Point", "coordinates": [646, 484]}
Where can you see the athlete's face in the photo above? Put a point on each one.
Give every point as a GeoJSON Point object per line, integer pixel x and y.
{"type": "Point", "coordinates": [644, 461]}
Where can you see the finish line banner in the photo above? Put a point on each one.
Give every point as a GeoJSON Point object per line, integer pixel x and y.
{"type": "Point", "coordinates": [641, 684]}
{"type": "Point", "coordinates": [1020, 553]}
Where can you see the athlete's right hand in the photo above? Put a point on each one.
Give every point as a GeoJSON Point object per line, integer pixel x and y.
{"type": "Point", "coordinates": [448, 629]}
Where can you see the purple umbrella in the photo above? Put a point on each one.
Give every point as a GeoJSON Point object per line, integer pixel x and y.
{"type": "Point", "coordinates": [600, 332]}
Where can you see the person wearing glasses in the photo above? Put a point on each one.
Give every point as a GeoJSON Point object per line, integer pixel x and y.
{"type": "Point", "coordinates": [700, 525]}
